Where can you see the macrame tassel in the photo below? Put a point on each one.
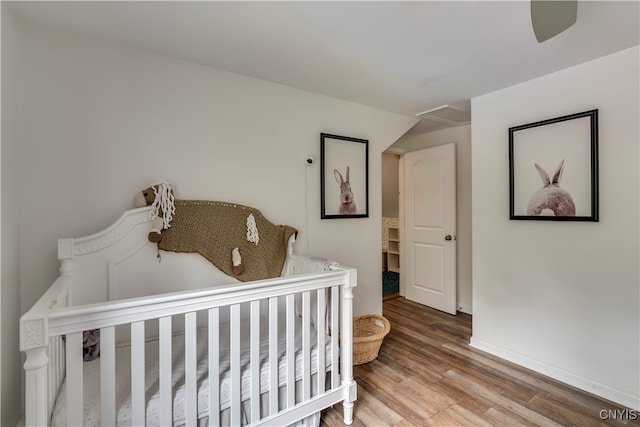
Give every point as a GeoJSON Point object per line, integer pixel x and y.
{"type": "Point", "coordinates": [252, 230]}
{"type": "Point", "coordinates": [236, 261]}
{"type": "Point", "coordinates": [164, 202]}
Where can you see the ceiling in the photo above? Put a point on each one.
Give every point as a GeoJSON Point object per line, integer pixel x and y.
{"type": "Point", "coordinates": [404, 57]}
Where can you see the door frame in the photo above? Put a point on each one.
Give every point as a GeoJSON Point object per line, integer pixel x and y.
{"type": "Point", "coordinates": [401, 220]}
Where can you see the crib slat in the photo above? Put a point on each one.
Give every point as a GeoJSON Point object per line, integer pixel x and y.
{"type": "Point", "coordinates": [321, 343]}
{"type": "Point", "coordinates": [55, 371]}
{"type": "Point", "coordinates": [60, 357]}
{"type": "Point", "coordinates": [306, 346]}
{"type": "Point", "coordinates": [165, 366]}
{"type": "Point", "coordinates": [190, 366]}
{"type": "Point", "coordinates": [273, 356]}
{"type": "Point", "coordinates": [63, 358]}
{"type": "Point", "coordinates": [291, 352]}
{"type": "Point", "coordinates": [51, 374]}
{"type": "Point", "coordinates": [234, 357]}
{"type": "Point", "coordinates": [335, 330]}
{"type": "Point", "coordinates": [74, 379]}
{"type": "Point", "coordinates": [214, 362]}
{"type": "Point", "coordinates": [108, 376]}
{"type": "Point", "coordinates": [137, 374]}
{"type": "Point", "coordinates": [255, 361]}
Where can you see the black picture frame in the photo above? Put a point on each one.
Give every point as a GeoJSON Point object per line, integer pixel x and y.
{"type": "Point", "coordinates": [553, 169]}
{"type": "Point", "coordinates": [344, 160]}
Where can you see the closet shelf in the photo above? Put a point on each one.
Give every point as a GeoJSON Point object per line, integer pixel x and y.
{"type": "Point", "coordinates": [393, 250]}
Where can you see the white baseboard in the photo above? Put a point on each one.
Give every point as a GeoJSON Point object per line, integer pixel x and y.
{"type": "Point", "coordinates": [618, 396]}
{"type": "Point", "coordinates": [465, 309]}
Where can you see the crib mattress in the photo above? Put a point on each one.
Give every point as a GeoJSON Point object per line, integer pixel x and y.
{"type": "Point", "coordinates": [91, 375]}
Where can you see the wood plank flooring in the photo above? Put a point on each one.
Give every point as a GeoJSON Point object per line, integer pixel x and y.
{"type": "Point", "coordinates": [427, 375]}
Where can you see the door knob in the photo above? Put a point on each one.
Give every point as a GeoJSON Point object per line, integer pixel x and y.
{"type": "Point", "coordinates": [448, 237]}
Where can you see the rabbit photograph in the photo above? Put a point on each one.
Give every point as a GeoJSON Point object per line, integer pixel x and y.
{"type": "Point", "coordinates": [344, 177]}
{"type": "Point", "coordinates": [553, 169]}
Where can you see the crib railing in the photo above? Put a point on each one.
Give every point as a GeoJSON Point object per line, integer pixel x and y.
{"type": "Point", "coordinates": [323, 300]}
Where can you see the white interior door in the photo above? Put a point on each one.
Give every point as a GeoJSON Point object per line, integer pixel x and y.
{"type": "Point", "coordinates": [430, 227]}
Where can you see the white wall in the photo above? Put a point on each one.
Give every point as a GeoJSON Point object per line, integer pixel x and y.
{"type": "Point", "coordinates": [10, 365]}
{"type": "Point", "coordinates": [461, 136]}
{"type": "Point", "coordinates": [558, 297]}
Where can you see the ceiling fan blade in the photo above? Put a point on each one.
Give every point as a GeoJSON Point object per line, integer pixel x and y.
{"type": "Point", "coordinates": [550, 18]}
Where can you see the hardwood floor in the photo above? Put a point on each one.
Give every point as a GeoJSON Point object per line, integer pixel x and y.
{"type": "Point", "coordinates": [427, 375]}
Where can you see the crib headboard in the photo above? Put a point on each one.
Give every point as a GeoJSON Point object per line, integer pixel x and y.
{"type": "Point", "coordinates": [119, 262]}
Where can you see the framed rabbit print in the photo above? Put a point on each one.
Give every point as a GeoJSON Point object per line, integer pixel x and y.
{"type": "Point", "coordinates": [553, 169]}
{"type": "Point", "coordinates": [344, 177]}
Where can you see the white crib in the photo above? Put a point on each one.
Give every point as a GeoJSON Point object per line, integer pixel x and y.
{"type": "Point", "coordinates": [180, 342]}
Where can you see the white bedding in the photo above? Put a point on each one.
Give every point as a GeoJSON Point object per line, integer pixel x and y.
{"type": "Point", "coordinates": [91, 373]}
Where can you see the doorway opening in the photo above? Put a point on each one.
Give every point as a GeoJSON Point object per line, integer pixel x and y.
{"type": "Point", "coordinates": [391, 245]}
{"type": "Point", "coordinates": [461, 234]}
{"type": "Point", "coordinates": [421, 242]}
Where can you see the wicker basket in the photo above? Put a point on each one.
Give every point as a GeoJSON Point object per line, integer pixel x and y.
{"type": "Point", "coordinates": [368, 332]}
